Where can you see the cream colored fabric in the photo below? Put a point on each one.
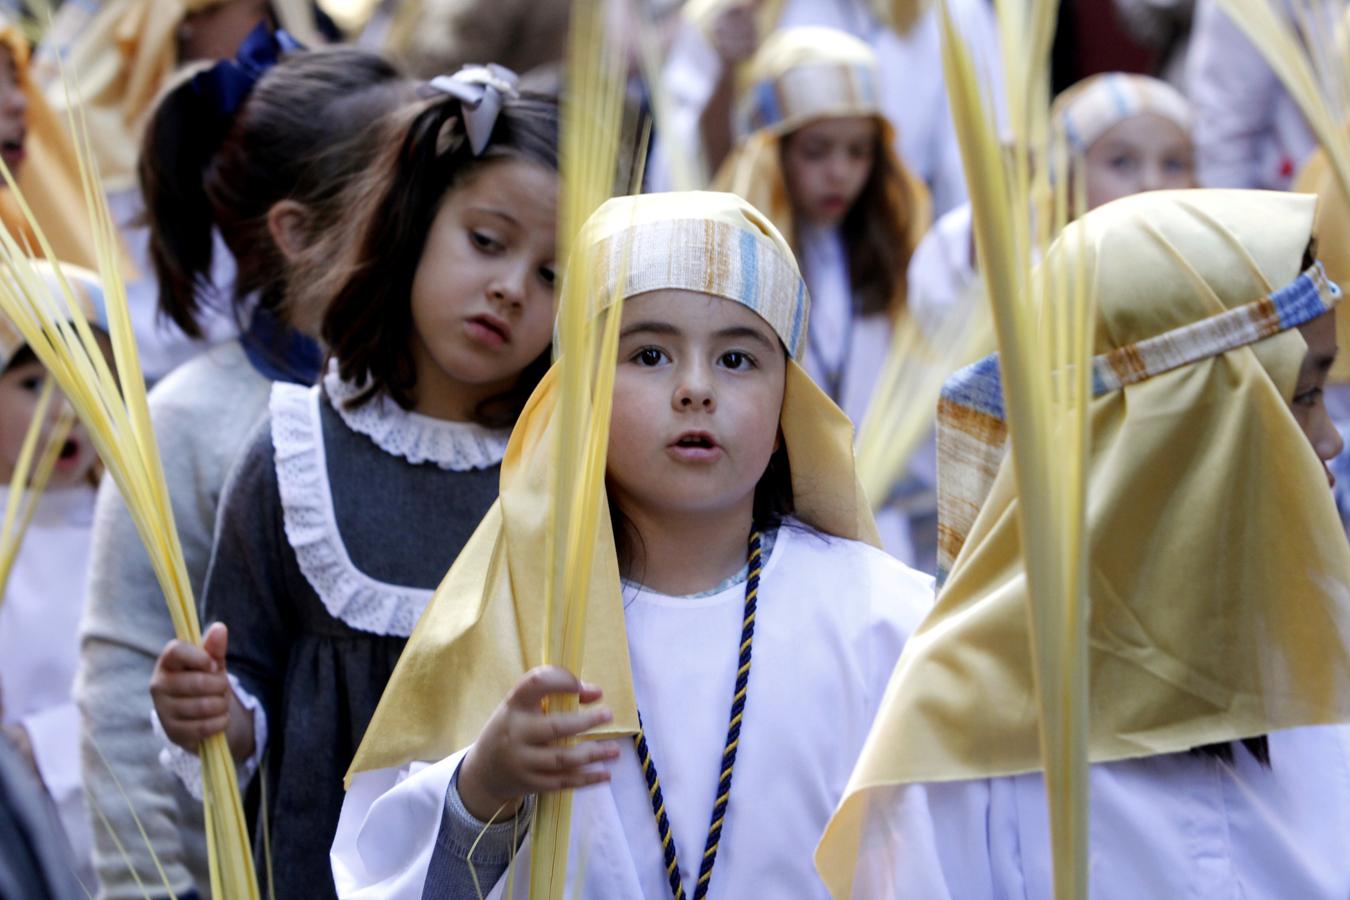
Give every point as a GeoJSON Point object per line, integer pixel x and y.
{"type": "Point", "coordinates": [1218, 572]}
{"type": "Point", "coordinates": [1097, 103]}
{"type": "Point", "coordinates": [117, 66]}
{"type": "Point", "coordinates": [50, 175]}
{"type": "Point", "coordinates": [799, 76]}
{"type": "Point", "coordinates": [483, 628]}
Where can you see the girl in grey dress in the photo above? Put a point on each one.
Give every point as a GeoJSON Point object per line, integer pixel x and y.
{"type": "Point", "coordinates": [353, 498]}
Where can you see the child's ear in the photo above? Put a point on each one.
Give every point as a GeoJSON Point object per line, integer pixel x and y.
{"type": "Point", "coordinates": [287, 223]}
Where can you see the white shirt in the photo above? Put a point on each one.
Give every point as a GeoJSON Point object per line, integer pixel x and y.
{"type": "Point", "coordinates": [40, 648]}
{"type": "Point", "coordinates": [1174, 826]}
{"type": "Point", "coordinates": [832, 618]}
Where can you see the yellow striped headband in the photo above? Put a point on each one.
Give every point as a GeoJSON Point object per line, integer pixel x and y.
{"type": "Point", "coordinates": [803, 74]}
{"type": "Point", "coordinates": [700, 241]}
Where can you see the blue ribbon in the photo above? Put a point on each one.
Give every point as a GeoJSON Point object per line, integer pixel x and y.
{"type": "Point", "coordinates": [227, 84]}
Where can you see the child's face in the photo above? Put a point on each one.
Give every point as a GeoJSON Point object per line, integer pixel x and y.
{"type": "Point", "coordinates": [1309, 405]}
{"type": "Point", "coordinates": [697, 397]}
{"type": "Point", "coordinates": [13, 112]}
{"type": "Point", "coordinates": [20, 386]}
{"type": "Point", "coordinates": [1141, 153]}
{"type": "Point", "coordinates": [482, 296]}
{"type": "Point", "coordinates": [826, 164]}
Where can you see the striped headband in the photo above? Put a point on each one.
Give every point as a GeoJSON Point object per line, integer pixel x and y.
{"type": "Point", "coordinates": [1093, 106]}
{"type": "Point", "coordinates": [809, 92]}
{"type": "Point", "coordinates": [716, 255]}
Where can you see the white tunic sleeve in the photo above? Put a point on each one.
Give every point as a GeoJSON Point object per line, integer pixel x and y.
{"type": "Point", "coordinates": [387, 830]}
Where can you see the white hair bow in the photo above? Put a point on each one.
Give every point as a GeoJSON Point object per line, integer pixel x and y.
{"type": "Point", "coordinates": [481, 91]}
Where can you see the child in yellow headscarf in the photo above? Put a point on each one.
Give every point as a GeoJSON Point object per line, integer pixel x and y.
{"type": "Point", "coordinates": [815, 154]}
{"type": "Point", "coordinates": [752, 626]}
{"type": "Point", "coordinates": [1218, 582]}
{"type": "Point", "coordinates": [1128, 134]}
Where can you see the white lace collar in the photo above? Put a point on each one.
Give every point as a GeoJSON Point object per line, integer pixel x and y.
{"type": "Point", "coordinates": [363, 602]}
{"type": "Point", "coordinates": [456, 446]}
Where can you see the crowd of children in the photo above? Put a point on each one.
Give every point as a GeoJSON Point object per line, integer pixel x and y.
{"type": "Point", "coordinates": [345, 282]}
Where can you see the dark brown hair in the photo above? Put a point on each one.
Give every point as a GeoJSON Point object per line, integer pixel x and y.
{"type": "Point", "coordinates": [303, 133]}
{"type": "Point", "coordinates": [368, 326]}
{"type": "Point", "coordinates": [878, 231]}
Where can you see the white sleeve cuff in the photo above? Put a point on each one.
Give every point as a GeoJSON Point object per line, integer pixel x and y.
{"type": "Point", "coordinates": [187, 766]}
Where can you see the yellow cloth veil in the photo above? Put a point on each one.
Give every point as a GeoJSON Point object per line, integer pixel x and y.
{"type": "Point", "coordinates": [122, 59]}
{"type": "Point", "coordinates": [799, 76]}
{"type": "Point", "coordinates": [1218, 571]}
{"type": "Point", "coordinates": [50, 175]}
{"type": "Point", "coordinates": [483, 628]}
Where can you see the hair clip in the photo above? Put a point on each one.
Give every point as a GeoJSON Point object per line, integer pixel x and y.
{"type": "Point", "coordinates": [481, 91]}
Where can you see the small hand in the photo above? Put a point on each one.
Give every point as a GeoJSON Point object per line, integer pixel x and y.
{"type": "Point", "coordinates": [191, 690]}
{"type": "Point", "coordinates": [524, 750]}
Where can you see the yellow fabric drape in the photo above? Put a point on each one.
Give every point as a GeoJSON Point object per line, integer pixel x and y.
{"type": "Point", "coordinates": [1218, 568]}
{"type": "Point", "coordinates": [50, 174]}
{"type": "Point", "coordinates": [482, 630]}
{"type": "Point", "coordinates": [1333, 242]}
{"type": "Point", "coordinates": [811, 74]}
{"type": "Point", "coordinates": [117, 66]}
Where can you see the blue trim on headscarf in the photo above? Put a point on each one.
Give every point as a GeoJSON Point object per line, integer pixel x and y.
{"type": "Point", "coordinates": [749, 270]}
{"type": "Point", "coordinates": [1299, 302]}
{"type": "Point", "coordinates": [978, 386]}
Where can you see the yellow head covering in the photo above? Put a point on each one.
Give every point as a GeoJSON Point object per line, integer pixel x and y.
{"type": "Point", "coordinates": [483, 629]}
{"type": "Point", "coordinates": [118, 63]}
{"type": "Point", "coordinates": [799, 76]}
{"type": "Point", "coordinates": [50, 175]}
{"type": "Point", "coordinates": [1218, 570]}
{"type": "Point", "coordinates": [1333, 242]}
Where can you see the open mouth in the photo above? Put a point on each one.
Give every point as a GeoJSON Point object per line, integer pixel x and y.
{"type": "Point", "coordinates": [12, 147]}
{"type": "Point", "coordinates": [697, 440]}
{"type": "Point", "coordinates": [69, 450]}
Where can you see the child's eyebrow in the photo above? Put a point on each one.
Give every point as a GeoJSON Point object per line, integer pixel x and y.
{"type": "Point", "coordinates": [649, 328]}
{"type": "Point", "coordinates": [666, 328]}
{"type": "Point", "coordinates": [744, 331]}
{"type": "Point", "coordinates": [495, 213]}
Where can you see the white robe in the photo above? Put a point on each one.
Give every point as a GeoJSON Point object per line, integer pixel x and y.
{"type": "Point", "coordinates": [832, 618]}
{"type": "Point", "coordinates": [1174, 826]}
{"type": "Point", "coordinates": [40, 648]}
